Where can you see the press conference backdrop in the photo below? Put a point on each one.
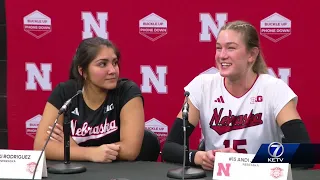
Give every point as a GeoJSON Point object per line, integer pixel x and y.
{"type": "Point", "coordinates": [164, 45]}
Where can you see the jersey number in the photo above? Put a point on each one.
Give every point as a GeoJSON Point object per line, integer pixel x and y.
{"type": "Point", "coordinates": [236, 143]}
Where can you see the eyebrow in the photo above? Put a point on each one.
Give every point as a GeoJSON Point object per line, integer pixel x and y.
{"type": "Point", "coordinates": [104, 59]}
{"type": "Point", "coordinates": [228, 43]}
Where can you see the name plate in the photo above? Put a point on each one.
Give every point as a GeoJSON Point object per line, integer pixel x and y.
{"type": "Point", "coordinates": [236, 166]}
{"type": "Point", "coordinates": [20, 164]}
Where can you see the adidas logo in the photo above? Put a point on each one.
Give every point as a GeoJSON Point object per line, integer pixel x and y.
{"type": "Point", "coordinates": [219, 100]}
{"type": "Point", "coordinates": [75, 111]}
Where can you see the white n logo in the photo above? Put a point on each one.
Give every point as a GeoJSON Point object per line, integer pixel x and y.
{"type": "Point", "coordinates": [90, 23]}
{"type": "Point", "coordinates": [284, 74]}
{"type": "Point", "coordinates": [159, 82]}
{"type": "Point", "coordinates": [43, 77]}
{"type": "Point", "coordinates": [208, 24]}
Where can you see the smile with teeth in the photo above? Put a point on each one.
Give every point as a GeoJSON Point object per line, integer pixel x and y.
{"type": "Point", "coordinates": [225, 64]}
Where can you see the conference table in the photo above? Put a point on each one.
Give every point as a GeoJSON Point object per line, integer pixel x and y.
{"type": "Point", "coordinates": [142, 170]}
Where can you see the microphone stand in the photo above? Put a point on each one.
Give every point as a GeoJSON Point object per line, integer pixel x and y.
{"type": "Point", "coordinates": [66, 167]}
{"type": "Point", "coordinates": [186, 172]}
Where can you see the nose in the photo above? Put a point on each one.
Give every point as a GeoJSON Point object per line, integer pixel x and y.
{"type": "Point", "coordinates": [111, 69]}
{"type": "Point", "coordinates": [223, 54]}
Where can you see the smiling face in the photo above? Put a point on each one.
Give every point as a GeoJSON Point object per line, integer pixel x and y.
{"type": "Point", "coordinates": [232, 57]}
{"type": "Point", "coordinates": [103, 71]}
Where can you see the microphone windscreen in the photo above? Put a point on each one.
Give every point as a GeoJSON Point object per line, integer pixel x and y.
{"type": "Point", "coordinates": [186, 93]}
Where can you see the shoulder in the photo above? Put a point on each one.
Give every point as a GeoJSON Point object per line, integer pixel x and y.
{"type": "Point", "coordinates": [276, 88]}
{"type": "Point", "coordinates": [212, 78]}
{"type": "Point", "coordinates": [71, 83]}
{"type": "Point", "coordinates": [68, 88]}
{"type": "Point", "coordinates": [126, 90]}
{"type": "Point", "coordinates": [271, 82]}
{"type": "Point", "coordinates": [209, 82]}
{"type": "Point", "coordinates": [204, 82]}
{"type": "Point", "coordinates": [62, 92]}
{"type": "Point", "coordinates": [277, 92]}
{"type": "Point", "coordinates": [205, 79]}
{"type": "Point", "coordinates": [125, 84]}
{"type": "Point", "coordinates": [201, 86]}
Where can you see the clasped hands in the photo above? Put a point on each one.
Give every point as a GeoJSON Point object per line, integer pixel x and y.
{"type": "Point", "coordinates": [103, 153]}
{"type": "Point", "coordinates": [205, 159]}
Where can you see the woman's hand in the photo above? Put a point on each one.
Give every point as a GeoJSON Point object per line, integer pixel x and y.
{"type": "Point", "coordinates": [103, 153]}
{"type": "Point", "coordinates": [206, 158]}
{"type": "Point", "coordinates": [57, 134]}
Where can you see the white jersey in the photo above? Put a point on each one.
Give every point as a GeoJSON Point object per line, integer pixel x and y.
{"type": "Point", "coordinates": [242, 123]}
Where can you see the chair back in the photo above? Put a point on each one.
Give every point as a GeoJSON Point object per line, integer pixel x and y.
{"type": "Point", "coordinates": [150, 148]}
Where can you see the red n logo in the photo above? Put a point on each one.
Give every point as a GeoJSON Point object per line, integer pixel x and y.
{"type": "Point", "coordinates": [225, 169]}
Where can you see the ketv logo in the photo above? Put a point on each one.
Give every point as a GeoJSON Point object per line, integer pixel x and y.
{"type": "Point", "coordinates": [293, 153]}
{"type": "Point", "coordinates": [275, 150]}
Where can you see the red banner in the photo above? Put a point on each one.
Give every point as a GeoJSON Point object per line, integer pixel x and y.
{"type": "Point", "coordinates": [163, 45]}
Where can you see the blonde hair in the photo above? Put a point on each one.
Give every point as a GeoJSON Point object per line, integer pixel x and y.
{"type": "Point", "coordinates": [251, 40]}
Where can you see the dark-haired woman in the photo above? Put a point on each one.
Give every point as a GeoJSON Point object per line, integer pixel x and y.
{"type": "Point", "coordinates": [106, 120]}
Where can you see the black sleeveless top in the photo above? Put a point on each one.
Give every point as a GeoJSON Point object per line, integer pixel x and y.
{"type": "Point", "coordinates": [94, 127]}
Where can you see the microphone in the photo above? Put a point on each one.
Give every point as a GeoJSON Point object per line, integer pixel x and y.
{"type": "Point", "coordinates": [186, 172]}
{"type": "Point", "coordinates": [61, 111]}
{"type": "Point", "coordinates": [67, 103]}
{"type": "Point", "coordinates": [185, 108]}
{"type": "Point", "coordinates": [66, 167]}
{"type": "Point", "coordinates": [186, 94]}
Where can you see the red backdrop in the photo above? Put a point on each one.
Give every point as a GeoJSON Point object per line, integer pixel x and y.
{"type": "Point", "coordinates": [164, 46]}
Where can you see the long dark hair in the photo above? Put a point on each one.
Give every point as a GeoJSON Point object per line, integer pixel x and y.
{"type": "Point", "coordinates": [86, 52]}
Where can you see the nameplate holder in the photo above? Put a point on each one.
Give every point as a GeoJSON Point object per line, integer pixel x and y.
{"type": "Point", "coordinates": [235, 166]}
{"type": "Point", "coordinates": [20, 164]}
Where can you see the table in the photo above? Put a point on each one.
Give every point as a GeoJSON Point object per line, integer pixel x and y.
{"type": "Point", "coordinates": [141, 170]}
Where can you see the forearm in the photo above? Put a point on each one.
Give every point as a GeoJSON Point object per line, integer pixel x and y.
{"type": "Point", "coordinates": [127, 152]}
{"type": "Point", "coordinates": [173, 152]}
{"type": "Point", "coordinates": [173, 149]}
{"type": "Point", "coordinates": [296, 132]}
{"type": "Point", "coordinates": [55, 151]}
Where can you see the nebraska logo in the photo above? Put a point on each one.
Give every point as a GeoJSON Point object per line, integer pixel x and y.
{"type": "Point", "coordinates": [210, 27]}
{"type": "Point", "coordinates": [231, 122]}
{"type": "Point", "coordinates": [158, 81]}
{"type": "Point", "coordinates": [42, 77]}
{"type": "Point", "coordinates": [94, 26]}
{"type": "Point", "coordinates": [224, 169]}
{"type": "Point", "coordinates": [87, 132]}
